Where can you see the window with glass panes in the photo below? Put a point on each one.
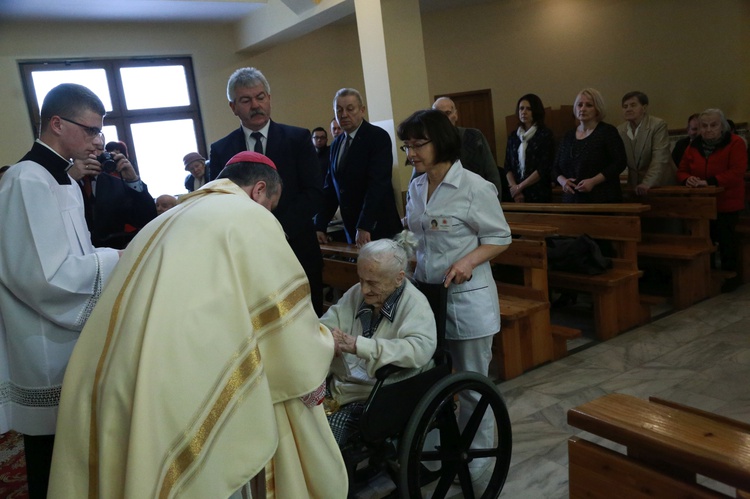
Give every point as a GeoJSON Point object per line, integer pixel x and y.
{"type": "Point", "coordinates": [151, 103]}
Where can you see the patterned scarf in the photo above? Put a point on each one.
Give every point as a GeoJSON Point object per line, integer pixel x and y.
{"type": "Point", "coordinates": [388, 310]}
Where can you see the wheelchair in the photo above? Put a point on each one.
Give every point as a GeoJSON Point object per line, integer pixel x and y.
{"type": "Point", "coordinates": [410, 428]}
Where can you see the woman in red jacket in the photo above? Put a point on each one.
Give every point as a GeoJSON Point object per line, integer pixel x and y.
{"type": "Point", "coordinates": [718, 157]}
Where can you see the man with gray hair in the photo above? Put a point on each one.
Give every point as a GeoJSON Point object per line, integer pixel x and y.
{"type": "Point", "coordinates": [291, 149]}
{"type": "Point", "coordinates": [359, 176]}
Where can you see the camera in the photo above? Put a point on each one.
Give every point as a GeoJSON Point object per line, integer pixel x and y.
{"type": "Point", "coordinates": [108, 163]}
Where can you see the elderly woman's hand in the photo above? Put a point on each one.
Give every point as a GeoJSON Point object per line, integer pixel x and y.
{"type": "Point", "coordinates": [345, 343]}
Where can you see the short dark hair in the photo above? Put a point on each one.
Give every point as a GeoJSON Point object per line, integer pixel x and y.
{"type": "Point", "coordinates": [117, 146]}
{"type": "Point", "coordinates": [245, 173]}
{"type": "Point", "coordinates": [320, 129]}
{"type": "Point", "coordinates": [69, 100]}
{"type": "Point", "coordinates": [537, 108]}
{"type": "Point", "coordinates": [435, 126]}
{"type": "Point", "coordinates": [642, 98]}
{"type": "Point", "coordinates": [692, 117]}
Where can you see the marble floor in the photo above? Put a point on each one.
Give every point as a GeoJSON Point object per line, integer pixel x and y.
{"type": "Point", "coordinates": [698, 357]}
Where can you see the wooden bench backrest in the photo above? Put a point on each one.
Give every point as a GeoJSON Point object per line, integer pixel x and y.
{"type": "Point", "coordinates": [340, 274]}
{"type": "Point", "coordinates": [531, 257]}
{"type": "Point", "coordinates": [524, 253]}
{"type": "Point", "coordinates": [679, 209]}
{"type": "Point", "coordinates": [691, 208]}
{"type": "Point", "coordinates": [585, 208]}
{"type": "Point", "coordinates": [684, 439]}
{"type": "Point", "coordinates": [624, 230]}
{"type": "Point", "coordinates": [611, 227]}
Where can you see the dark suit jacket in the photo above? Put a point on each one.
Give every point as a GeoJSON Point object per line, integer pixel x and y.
{"type": "Point", "coordinates": [291, 150]}
{"type": "Point", "coordinates": [476, 156]}
{"type": "Point", "coordinates": [324, 159]}
{"type": "Point", "coordinates": [362, 186]}
{"type": "Point", "coordinates": [114, 207]}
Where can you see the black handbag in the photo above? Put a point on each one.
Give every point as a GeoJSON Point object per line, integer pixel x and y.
{"type": "Point", "coordinates": [581, 255]}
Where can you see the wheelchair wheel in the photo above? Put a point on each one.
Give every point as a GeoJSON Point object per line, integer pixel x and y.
{"type": "Point", "coordinates": [446, 460]}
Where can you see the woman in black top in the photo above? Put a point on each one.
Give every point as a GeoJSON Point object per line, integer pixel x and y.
{"type": "Point", "coordinates": [530, 152]}
{"type": "Point", "coordinates": [591, 157]}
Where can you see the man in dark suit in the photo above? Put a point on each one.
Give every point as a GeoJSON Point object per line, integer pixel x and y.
{"type": "Point", "coordinates": [291, 149]}
{"type": "Point", "coordinates": [117, 203]}
{"type": "Point", "coordinates": [476, 155]}
{"type": "Point", "coordinates": [322, 150]}
{"type": "Point", "coordinates": [359, 176]}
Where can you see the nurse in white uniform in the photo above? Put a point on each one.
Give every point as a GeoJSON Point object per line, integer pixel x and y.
{"type": "Point", "coordinates": [460, 225]}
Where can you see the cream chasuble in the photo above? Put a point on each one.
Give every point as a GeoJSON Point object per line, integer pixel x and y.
{"type": "Point", "coordinates": [186, 379]}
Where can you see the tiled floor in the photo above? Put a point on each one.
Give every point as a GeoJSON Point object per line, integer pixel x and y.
{"type": "Point", "coordinates": [698, 357]}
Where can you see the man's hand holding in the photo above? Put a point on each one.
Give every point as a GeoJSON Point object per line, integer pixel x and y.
{"type": "Point", "coordinates": [124, 167]}
{"type": "Point", "coordinates": [85, 167]}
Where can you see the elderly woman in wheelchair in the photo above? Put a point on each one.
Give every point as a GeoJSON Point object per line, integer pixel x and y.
{"type": "Point", "coordinates": [382, 320]}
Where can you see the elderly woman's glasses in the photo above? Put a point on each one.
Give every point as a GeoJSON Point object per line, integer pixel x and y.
{"type": "Point", "coordinates": [414, 147]}
{"type": "Point", "coordinates": [91, 131]}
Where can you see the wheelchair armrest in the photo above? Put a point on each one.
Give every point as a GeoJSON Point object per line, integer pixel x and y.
{"type": "Point", "coordinates": [387, 370]}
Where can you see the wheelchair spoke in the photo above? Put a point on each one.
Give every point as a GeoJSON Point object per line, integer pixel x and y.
{"type": "Point", "coordinates": [466, 483]}
{"type": "Point", "coordinates": [470, 431]}
{"type": "Point", "coordinates": [446, 480]}
{"type": "Point", "coordinates": [477, 453]}
{"type": "Point", "coordinates": [444, 455]}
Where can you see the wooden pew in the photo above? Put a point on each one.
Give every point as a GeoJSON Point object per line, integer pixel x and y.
{"type": "Point", "coordinates": [676, 237]}
{"type": "Point", "coordinates": [525, 339]}
{"type": "Point", "coordinates": [668, 444]}
{"type": "Point", "coordinates": [615, 294]}
{"type": "Point", "coordinates": [743, 250]}
{"type": "Point", "coordinates": [339, 268]}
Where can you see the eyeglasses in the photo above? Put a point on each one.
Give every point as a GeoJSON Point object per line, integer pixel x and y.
{"type": "Point", "coordinates": [319, 137]}
{"type": "Point", "coordinates": [91, 131]}
{"type": "Point", "coordinates": [414, 147]}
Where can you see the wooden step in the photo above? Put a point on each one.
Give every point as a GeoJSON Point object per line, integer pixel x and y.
{"type": "Point", "coordinates": [718, 278]}
{"type": "Point", "coordinates": [723, 274]}
{"type": "Point", "coordinates": [653, 299]}
{"type": "Point", "coordinates": [560, 337]}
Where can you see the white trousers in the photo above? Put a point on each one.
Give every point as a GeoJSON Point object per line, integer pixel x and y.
{"type": "Point", "coordinates": [474, 355]}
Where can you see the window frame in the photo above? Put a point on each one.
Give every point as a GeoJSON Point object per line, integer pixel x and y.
{"type": "Point", "coordinates": [120, 116]}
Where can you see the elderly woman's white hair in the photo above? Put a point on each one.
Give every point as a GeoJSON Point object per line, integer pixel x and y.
{"type": "Point", "coordinates": [717, 112]}
{"type": "Point", "coordinates": [391, 255]}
